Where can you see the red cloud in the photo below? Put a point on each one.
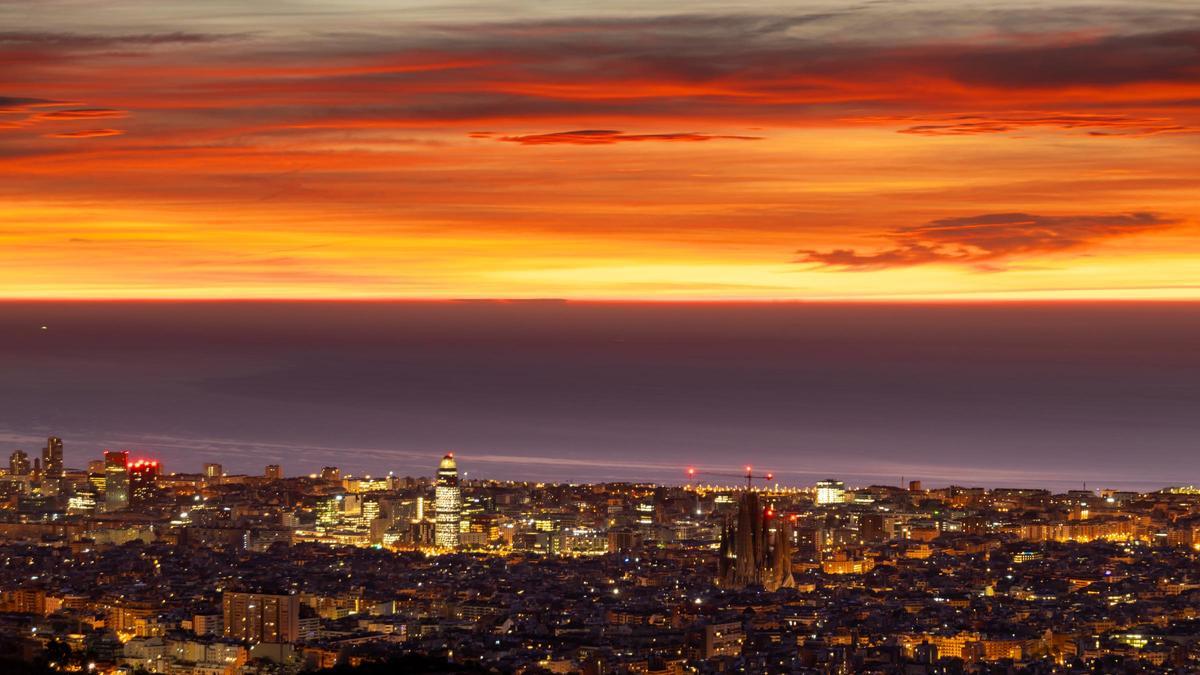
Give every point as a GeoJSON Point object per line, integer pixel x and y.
{"type": "Point", "coordinates": [969, 124]}
{"type": "Point", "coordinates": [610, 137]}
{"type": "Point", "coordinates": [81, 114]}
{"type": "Point", "coordinates": [86, 133]}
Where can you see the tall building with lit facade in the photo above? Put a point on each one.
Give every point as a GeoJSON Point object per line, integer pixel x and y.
{"type": "Point", "coordinates": [143, 480]}
{"type": "Point", "coordinates": [260, 617]}
{"type": "Point", "coordinates": [447, 504]}
{"type": "Point", "coordinates": [116, 480]}
{"type": "Point", "coordinates": [52, 458]}
{"type": "Point", "coordinates": [52, 466]}
{"type": "Point", "coordinates": [273, 472]}
{"type": "Point", "coordinates": [18, 464]}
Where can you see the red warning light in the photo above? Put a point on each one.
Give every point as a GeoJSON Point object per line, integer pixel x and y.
{"type": "Point", "coordinates": [770, 476]}
{"type": "Point", "coordinates": [691, 471]}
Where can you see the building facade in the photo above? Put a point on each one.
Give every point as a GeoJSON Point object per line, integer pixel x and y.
{"type": "Point", "coordinates": [447, 504]}
{"type": "Point", "coordinates": [116, 480]}
{"type": "Point", "coordinates": [260, 617]}
{"type": "Point", "coordinates": [143, 479]}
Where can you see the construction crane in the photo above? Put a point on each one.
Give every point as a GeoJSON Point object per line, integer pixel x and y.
{"type": "Point", "coordinates": [749, 475]}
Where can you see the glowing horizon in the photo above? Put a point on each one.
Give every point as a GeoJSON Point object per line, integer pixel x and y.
{"type": "Point", "coordinates": [919, 152]}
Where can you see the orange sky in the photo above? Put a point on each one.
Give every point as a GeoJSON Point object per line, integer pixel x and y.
{"type": "Point", "coordinates": [922, 150]}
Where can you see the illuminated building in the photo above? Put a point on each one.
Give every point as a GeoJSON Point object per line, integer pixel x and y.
{"type": "Point", "coordinates": [143, 476]}
{"type": "Point", "coordinates": [645, 513]}
{"type": "Point", "coordinates": [116, 480]}
{"type": "Point", "coordinates": [96, 475]}
{"type": "Point", "coordinates": [723, 639]}
{"type": "Point", "coordinates": [447, 504]}
{"type": "Point", "coordinates": [52, 458]}
{"type": "Point", "coordinates": [331, 473]}
{"type": "Point", "coordinates": [329, 512]}
{"type": "Point", "coordinates": [756, 548]}
{"type": "Point", "coordinates": [213, 472]}
{"type": "Point", "coordinates": [830, 491]}
{"type": "Point", "coordinates": [273, 472]}
{"type": "Point", "coordinates": [258, 617]}
{"type": "Point", "coordinates": [81, 502]}
{"type": "Point", "coordinates": [844, 564]}
{"type": "Point", "coordinates": [18, 464]}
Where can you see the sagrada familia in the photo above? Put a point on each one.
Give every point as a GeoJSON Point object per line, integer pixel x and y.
{"type": "Point", "coordinates": [756, 548]}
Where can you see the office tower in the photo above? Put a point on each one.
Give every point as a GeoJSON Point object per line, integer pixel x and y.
{"type": "Point", "coordinates": [756, 548]}
{"type": "Point", "coordinates": [331, 473]}
{"type": "Point", "coordinates": [914, 486]}
{"type": "Point", "coordinates": [18, 464]}
{"type": "Point", "coordinates": [447, 504]}
{"type": "Point", "coordinates": [259, 617]}
{"type": "Point", "coordinates": [143, 479]}
{"type": "Point", "coordinates": [116, 480]}
{"type": "Point", "coordinates": [830, 491]}
{"type": "Point", "coordinates": [52, 458]}
{"type": "Point", "coordinates": [273, 472]}
{"type": "Point", "coordinates": [213, 472]}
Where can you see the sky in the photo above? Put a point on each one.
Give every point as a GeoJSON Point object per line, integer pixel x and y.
{"type": "Point", "coordinates": [1049, 394]}
{"type": "Point", "coordinates": [760, 150]}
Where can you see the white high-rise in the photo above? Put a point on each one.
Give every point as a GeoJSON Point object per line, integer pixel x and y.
{"type": "Point", "coordinates": [830, 491]}
{"type": "Point", "coordinates": [447, 504]}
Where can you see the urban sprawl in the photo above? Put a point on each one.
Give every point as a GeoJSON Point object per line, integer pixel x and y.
{"type": "Point", "coordinates": [124, 567]}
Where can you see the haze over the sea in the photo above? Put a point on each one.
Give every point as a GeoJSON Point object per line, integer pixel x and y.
{"type": "Point", "coordinates": [992, 394]}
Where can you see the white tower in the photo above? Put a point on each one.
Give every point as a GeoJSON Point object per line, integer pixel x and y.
{"type": "Point", "coordinates": [447, 504]}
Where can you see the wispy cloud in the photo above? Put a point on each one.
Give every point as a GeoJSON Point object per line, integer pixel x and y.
{"type": "Point", "coordinates": [971, 124]}
{"type": "Point", "coordinates": [74, 114]}
{"type": "Point", "coordinates": [983, 240]}
{"type": "Point", "coordinates": [611, 137]}
{"type": "Point", "coordinates": [86, 133]}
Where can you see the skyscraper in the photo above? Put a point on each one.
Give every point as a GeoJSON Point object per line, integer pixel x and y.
{"type": "Point", "coordinates": [143, 479]}
{"type": "Point", "coordinates": [18, 463]}
{"type": "Point", "coordinates": [447, 504]}
{"type": "Point", "coordinates": [273, 472]}
{"type": "Point", "coordinates": [52, 458]}
{"type": "Point", "coordinates": [116, 480]}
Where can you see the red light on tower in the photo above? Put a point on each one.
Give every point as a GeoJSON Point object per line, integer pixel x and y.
{"type": "Point", "coordinates": [691, 472]}
{"type": "Point", "coordinates": [770, 476]}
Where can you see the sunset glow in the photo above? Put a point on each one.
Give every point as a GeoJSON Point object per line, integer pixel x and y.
{"type": "Point", "coordinates": [936, 150]}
